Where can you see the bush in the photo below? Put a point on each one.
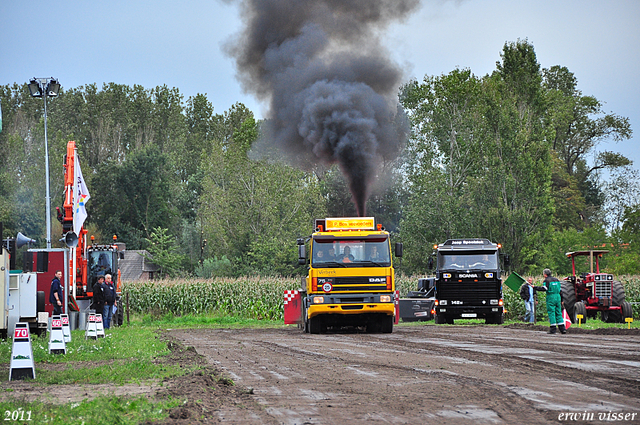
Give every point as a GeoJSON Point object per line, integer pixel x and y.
{"type": "Point", "coordinates": [214, 267]}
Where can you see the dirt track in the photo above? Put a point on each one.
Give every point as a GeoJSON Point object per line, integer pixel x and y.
{"type": "Point", "coordinates": [423, 374]}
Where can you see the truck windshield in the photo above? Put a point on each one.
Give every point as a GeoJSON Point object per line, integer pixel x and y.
{"type": "Point", "coordinates": [100, 263]}
{"type": "Point", "coordinates": [468, 261]}
{"type": "Point", "coordinates": [350, 253]}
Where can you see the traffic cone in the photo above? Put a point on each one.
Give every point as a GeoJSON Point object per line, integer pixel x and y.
{"type": "Point", "coordinates": [56, 337]}
{"type": "Point", "coordinates": [21, 354]}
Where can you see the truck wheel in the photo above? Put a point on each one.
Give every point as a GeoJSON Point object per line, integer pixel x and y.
{"type": "Point", "coordinates": [495, 319]}
{"type": "Point", "coordinates": [440, 319]}
{"type": "Point", "coordinates": [617, 293]}
{"type": "Point", "coordinates": [568, 292]}
{"type": "Point", "coordinates": [387, 324]}
{"type": "Point", "coordinates": [580, 309]}
{"type": "Point", "coordinates": [315, 325]}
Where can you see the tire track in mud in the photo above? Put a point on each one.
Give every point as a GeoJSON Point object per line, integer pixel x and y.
{"type": "Point", "coordinates": [574, 353]}
{"type": "Point", "coordinates": [428, 374]}
{"type": "Point", "coordinates": [398, 391]}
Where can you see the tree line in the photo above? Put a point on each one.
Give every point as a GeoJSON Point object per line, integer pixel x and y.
{"type": "Point", "coordinates": [514, 156]}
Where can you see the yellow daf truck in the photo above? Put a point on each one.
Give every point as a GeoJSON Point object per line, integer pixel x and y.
{"type": "Point", "coordinates": [351, 280]}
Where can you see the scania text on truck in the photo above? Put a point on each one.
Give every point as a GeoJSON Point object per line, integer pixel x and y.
{"type": "Point", "coordinates": [467, 281]}
{"type": "Point", "coordinates": [351, 280]}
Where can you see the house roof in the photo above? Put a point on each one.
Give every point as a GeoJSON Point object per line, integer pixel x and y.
{"type": "Point", "coordinates": [135, 264]}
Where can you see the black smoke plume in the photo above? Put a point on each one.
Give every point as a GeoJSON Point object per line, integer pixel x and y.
{"type": "Point", "coordinates": [330, 84]}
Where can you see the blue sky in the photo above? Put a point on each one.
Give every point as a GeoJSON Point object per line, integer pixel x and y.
{"type": "Point", "coordinates": [180, 44]}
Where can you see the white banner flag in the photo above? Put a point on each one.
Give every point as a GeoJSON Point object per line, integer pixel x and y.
{"type": "Point", "coordinates": [80, 197]}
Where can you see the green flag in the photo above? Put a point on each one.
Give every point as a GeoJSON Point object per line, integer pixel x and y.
{"type": "Point", "coordinates": [514, 281]}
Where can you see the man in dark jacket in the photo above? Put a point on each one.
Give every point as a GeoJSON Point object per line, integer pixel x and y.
{"type": "Point", "coordinates": [56, 296]}
{"type": "Point", "coordinates": [109, 300]}
{"type": "Point", "coordinates": [98, 296]}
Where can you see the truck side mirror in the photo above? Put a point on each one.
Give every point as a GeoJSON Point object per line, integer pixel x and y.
{"type": "Point", "coordinates": [399, 249]}
{"type": "Point", "coordinates": [302, 254]}
{"type": "Point", "coordinates": [430, 263]}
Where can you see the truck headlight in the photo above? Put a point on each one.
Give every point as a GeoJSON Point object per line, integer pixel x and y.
{"type": "Point", "coordinates": [318, 300]}
{"type": "Point", "coordinates": [385, 298]}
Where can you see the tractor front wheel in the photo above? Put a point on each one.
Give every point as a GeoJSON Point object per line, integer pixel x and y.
{"type": "Point", "coordinates": [627, 310]}
{"type": "Point", "coordinates": [580, 308]}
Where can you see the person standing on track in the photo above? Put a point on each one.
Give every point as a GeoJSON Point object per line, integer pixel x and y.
{"type": "Point", "coordinates": [551, 285]}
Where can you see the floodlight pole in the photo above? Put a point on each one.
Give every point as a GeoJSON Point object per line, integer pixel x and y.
{"type": "Point", "coordinates": [44, 85]}
{"type": "Point", "coordinates": [46, 170]}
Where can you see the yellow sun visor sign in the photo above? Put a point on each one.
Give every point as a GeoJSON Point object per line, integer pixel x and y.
{"type": "Point", "coordinates": [350, 223]}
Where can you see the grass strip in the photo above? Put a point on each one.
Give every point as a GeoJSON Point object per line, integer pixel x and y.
{"type": "Point", "coordinates": [107, 410]}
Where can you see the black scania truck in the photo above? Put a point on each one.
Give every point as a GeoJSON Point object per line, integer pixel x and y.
{"type": "Point", "coordinates": [467, 281]}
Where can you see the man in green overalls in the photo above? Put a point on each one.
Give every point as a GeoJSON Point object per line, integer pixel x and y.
{"type": "Point", "coordinates": [552, 287]}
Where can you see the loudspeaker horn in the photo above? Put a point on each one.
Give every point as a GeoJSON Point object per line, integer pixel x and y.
{"type": "Point", "coordinates": [22, 240]}
{"type": "Point", "coordinates": [71, 239]}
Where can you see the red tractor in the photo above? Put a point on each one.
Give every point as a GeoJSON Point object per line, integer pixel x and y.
{"type": "Point", "coordinates": [591, 292]}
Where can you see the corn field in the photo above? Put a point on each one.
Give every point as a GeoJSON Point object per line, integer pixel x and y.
{"type": "Point", "coordinates": [262, 297]}
{"type": "Point", "coordinates": [251, 297]}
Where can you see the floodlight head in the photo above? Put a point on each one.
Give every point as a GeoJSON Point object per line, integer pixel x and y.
{"type": "Point", "coordinates": [34, 88]}
{"type": "Point", "coordinates": [53, 88]}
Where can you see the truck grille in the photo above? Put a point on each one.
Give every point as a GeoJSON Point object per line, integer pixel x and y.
{"type": "Point", "coordinates": [469, 292]}
{"type": "Point", "coordinates": [603, 289]}
{"type": "Point", "coordinates": [357, 284]}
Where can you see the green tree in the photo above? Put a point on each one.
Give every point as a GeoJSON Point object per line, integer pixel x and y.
{"type": "Point", "coordinates": [163, 249]}
{"type": "Point", "coordinates": [478, 164]}
{"type": "Point", "coordinates": [132, 198]}
{"type": "Point", "coordinates": [576, 126]}
{"type": "Point", "coordinates": [254, 210]}
{"type": "Point", "coordinates": [445, 112]}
